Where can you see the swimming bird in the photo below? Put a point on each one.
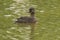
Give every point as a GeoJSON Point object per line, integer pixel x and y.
{"type": "Point", "coordinates": [28, 19]}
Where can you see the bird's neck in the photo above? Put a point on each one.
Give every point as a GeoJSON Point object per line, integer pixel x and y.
{"type": "Point", "coordinates": [32, 15]}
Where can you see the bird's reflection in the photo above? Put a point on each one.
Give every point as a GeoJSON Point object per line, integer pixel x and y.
{"type": "Point", "coordinates": [31, 26]}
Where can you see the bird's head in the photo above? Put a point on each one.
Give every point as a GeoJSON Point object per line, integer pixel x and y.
{"type": "Point", "coordinates": [32, 10]}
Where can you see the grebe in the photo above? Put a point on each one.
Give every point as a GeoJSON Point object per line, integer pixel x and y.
{"type": "Point", "coordinates": [28, 19]}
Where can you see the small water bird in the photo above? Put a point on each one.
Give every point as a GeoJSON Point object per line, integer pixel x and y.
{"type": "Point", "coordinates": [28, 19]}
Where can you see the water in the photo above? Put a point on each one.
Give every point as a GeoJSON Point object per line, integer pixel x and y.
{"type": "Point", "coordinates": [47, 15]}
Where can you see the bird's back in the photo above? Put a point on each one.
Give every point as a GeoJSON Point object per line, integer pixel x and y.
{"type": "Point", "coordinates": [26, 20]}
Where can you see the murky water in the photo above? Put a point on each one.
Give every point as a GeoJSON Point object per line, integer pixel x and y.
{"type": "Point", "coordinates": [47, 15]}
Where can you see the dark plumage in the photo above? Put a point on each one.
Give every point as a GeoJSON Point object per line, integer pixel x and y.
{"type": "Point", "coordinates": [27, 19]}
